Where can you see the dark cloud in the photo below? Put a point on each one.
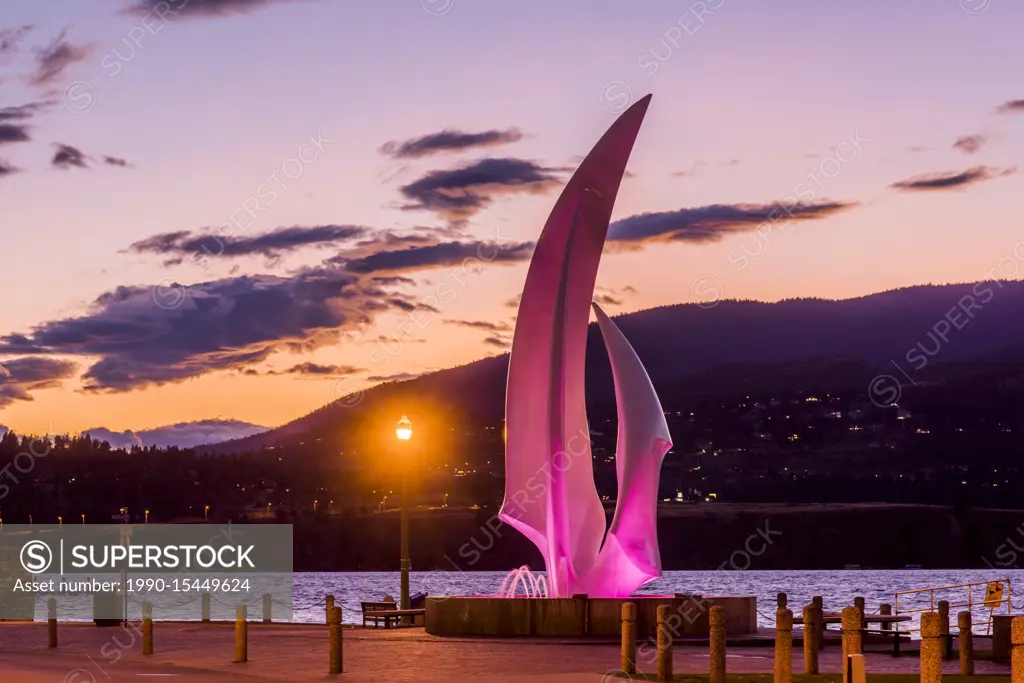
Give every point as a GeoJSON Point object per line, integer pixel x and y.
{"type": "Point", "coordinates": [438, 255]}
{"type": "Point", "coordinates": [14, 126]}
{"type": "Point", "coordinates": [55, 58]}
{"type": "Point", "coordinates": [449, 141]}
{"type": "Point", "coordinates": [10, 38]}
{"type": "Point", "coordinates": [13, 132]}
{"type": "Point", "coordinates": [969, 144]}
{"type": "Point", "coordinates": [67, 157]}
{"type": "Point", "coordinates": [154, 335]}
{"type": "Point", "coordinates": [711, 223]}
{"type": "Point", "coordinates": [459, 193]}
{"type": "Point", "coordinates": [7, 169]}
{"type": "Point", "coordinates": [951, 180]}
{"type": "Point", "coordinates": [400, 377]}
{"type": "Point", "coordinates": [316, 369]}
{"type": "Point", "coordinates": [199, 8]}
{"type": "Point", "coordinates": [270, 244]}
{"type": "Point", "coordinates": [498, 341]}
{"type": "Point", "coordinates": [20, 376]}
{"type": "Point", "coordinates": [481, 325]}
{"type": "Point", "coordinates": [116, 161]}
{"type": "Point", "coordinates": [1011, 107]}
{"type": "Point", "coordinates": [607, 300]}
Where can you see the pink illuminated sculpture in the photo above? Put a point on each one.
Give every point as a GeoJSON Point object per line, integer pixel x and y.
{"type": "Point", "coordinates": [550, 494]}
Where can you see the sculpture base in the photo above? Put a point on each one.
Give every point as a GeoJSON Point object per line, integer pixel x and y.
{"type": "Point", "coordinates": [583, 616]}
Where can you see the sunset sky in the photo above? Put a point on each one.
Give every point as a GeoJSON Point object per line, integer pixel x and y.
{"type": "Point", "coordinates": [249, 208]}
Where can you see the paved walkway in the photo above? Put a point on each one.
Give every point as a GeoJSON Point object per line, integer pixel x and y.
{"type": "Point", "coordinates": [198, 653]}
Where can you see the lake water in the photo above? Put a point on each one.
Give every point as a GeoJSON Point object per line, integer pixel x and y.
{"type": "Point", "coordinates": [838, 588]}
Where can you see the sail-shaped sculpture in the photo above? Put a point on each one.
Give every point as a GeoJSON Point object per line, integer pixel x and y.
{"type": "Point", "coordinates": [550, 494]}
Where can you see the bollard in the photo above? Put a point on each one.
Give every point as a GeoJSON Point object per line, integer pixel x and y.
{"type": "Point", "coordinates": [51, 622]}
{"type": "Point", "coordinates": [812, 615]}
{"type": "Point", "coordinates": [716, 618]}
{"type": "Point", "coordinates": [858, 602]}
{"type": "Point", "coordinates": [330, 606]}
{"type": "Point", "coordinates": [629, 637]}
{"type": "Point", "coordinates": [664, 646]}
{"type": "Point", "coordinates": [1017, 650]}
{"type": "Point", "coordinates": [947, 639]}
{"type": "Point", "coordinates": [334, 633]}
{"type": "Point", "coordinates": [241, 635]}
{"type": "Point", "coordinates": [206, 608]}
{"type": "Point", "coordinates": [966, 644]}
{"type": "Point", "coordinates": [783, 646]}
{"type": "Point", "coordinates": [819, 602]}
{"type": "Point", "coordinates": [885, 609]}
{"type": "Point", "coordinates": [855, 671]}
{"type": "Point", "coordinates": [267, 605]}
{"type": "Point", "coordinates": [147, 628]}
{"type": "Point", "coordinates": [781, 600]}
{"type": "Point", "coordinates": [852, 637]}
{"type": "Point", "coordinates": [931, 647]}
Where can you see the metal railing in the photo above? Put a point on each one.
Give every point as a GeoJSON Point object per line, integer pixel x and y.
{"type": "Point", "coordinates": [977, 596]}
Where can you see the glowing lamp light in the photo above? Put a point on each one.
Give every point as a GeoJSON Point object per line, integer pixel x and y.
{"type": "Point", "coordinates": [404, 429]}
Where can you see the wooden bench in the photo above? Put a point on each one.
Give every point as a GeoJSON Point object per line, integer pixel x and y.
{"type": "Point", "coordinates": [377, 612]}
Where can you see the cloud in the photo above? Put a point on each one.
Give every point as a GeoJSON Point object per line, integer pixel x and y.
{"type": "Point", "coordinates": [481, 325]}
{"type": "Point", "coordinates": [400, 377]}
{"type": "Point", "coordinates": [20, 376]}
{"type": "Point", "coordinates": [951, 180]}
{"type": "Point", "coordinates": [199, 8]}
{"type": "Point", "coordinates": [10, 38]}
{"type": "Point", "coordinates": [13, 132]}
{"type": "Point", "coordinates": [711, 223]}
{"type": "Point", "coordinates": [14, 126]}
{"type": "Point", "coordinates": [270, 244]}
{"type": "Point", "coordinates": [7, 169]}
{"type": "Point", "coordinates": [116, 161]}
{"type": "Point", "coordinates": [181, 435]}
{"type": "Point", "coordinates": [67, 157]}
{"type": "Point", "coordinates": [457, 194]}
{"type": "Point", "coordinates": [319, 370]}
{"type": "Point", "coordinates": [498, 341]}
{"type": "Point", "coordinates": [969, 144]}
{"type": "Point", "coordinates": [55, 58]}
{"type": "Point", "coordinates": [1011, 107]}
{"type": "Point", "coordinates": [917, 149]}
{"type": "Point", "coordinates": [146, 336]}
{"type": "Point", "coordinates": [437, 255]}
{"type": "Point", "coordinates": [449, 141]}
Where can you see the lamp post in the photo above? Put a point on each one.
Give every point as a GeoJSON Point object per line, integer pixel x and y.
{"type": "Point", "coordinates": [206, 513]}
{"type": "Point", "coordinates": [147, 517]}
{"type": "Point", "coordinates": [404, 432]}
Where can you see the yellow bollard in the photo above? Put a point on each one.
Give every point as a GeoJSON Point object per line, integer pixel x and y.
{"type": "Point", "coordinates": [966, 644]}
{"type": "Point", "coordinates": [241, 635]}
{"type": "Point", "coordinates": [1017, 650]}
{"type": "Point", "coordinates": [947, 640]}
{"type": "Point", "coordinates": [885, 609]}
{"type": "Point", "coordinates": [780, 600]}
{"type": "Point", "coordinates": [664, 646]}
{"type": "Point", "coordinates": [330, 606]}
{"type": "Point", "coordinates": [147, 628]}
{"type": "Point", "coordinates": [334, 633]}
{"type": "Point", "coordinates": [931, 647]}
{"type": "Point", "coordinates": [819, 602]}
{"type": "Point", "coordinates": [812, 615]}
{"type": "Point", "coordinates": [51, 622]}
{"type": "Point", "coordinates": [852, 637]}
{"type": "Point", "coordinates": [783, 668]}
{"type": "Point", "coordinates": [716, 620]}
{"type": "Point", "coordinates": [629, 637]}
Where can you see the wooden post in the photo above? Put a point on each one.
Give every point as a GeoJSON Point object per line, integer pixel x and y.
{"type": "Point", "coordinates": [819, 602]}
{"type": "Point", "coordinates": [966, 644]}
{"type": "Point", "coordinates": [334, 632]}
{"type": "Point", "coordinates": [783, 668]}
{"type": "Point", "coordinates": [716, 619]}
{"type": "Point", "coordinates": [241, 634]}
{"type": "Point", "coordinates": [330, 606]}
{"type": "Point", "coordinates": [812, 615]}
{"type": "Point", "coordinates": [664, 646]}
{"type": "Point", "coordinates": [1017, 650]}
{"type": "Point", "coordinates": [268, 603]}
{"type": "Point", "coordinates": [855, 671]}
{"type": "Point", "coordinates": [947, 640]}
{"type": "Point", "coordinates": [147, 628]}
{"type": "Point", "coordinates": [931, 647]}
{"type": "Point", "coordinates": [629, 637]}
{"type": "Point", "coordinates": [206, 608]}
{"type": "Point", "coordinates": [858, 602]}
{"type": "Point", "coordinates": [781, 601]}
{"type": "Point", "coordinates": [852, 637]}
{"type": "Point", "coordinates": [51, 622]}
{"type": "Point", "coordinates": [885, 609]}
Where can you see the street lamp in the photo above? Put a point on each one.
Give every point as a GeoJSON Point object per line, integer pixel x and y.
{"type": "Point", "coordinates": [83, 518]}
{"type": "Point", "coordinates": [147, 517]}
{"type": "Point", "coordinates": [206, 512]}
{"type": "Point", "coordinates": [404, 432]}
{"type": "Point", "coordinates": [314, 505]}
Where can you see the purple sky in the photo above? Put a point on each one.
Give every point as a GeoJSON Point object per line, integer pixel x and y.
{"type": "Point", "coordinates": [168, 259]}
